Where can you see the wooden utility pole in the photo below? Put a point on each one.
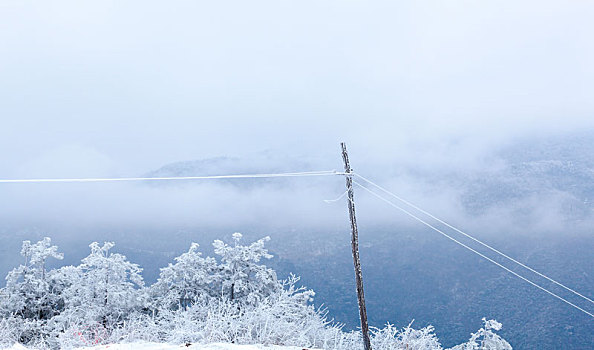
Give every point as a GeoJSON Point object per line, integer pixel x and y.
{"type": "Point", "coordinates": [355, 248]}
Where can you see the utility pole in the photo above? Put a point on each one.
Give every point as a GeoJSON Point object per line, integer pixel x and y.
{"type": "Point", "coordinates": [355, 248]}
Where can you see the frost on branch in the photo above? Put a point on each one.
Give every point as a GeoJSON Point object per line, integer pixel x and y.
{"type": "Point", "coordinates": [104, 289]}
{"type": "Point", "coordinates": [485, 338]}
{"type": "Point", "coordinates": [240, 275]}
{"type": "Point", "coordinates": [29, 291]}
{"type": "Point", "coordinates": [408, 338]}
{"type": "Point", "coordinates": [189, 280]}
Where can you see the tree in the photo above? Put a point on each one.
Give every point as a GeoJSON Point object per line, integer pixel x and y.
{"type": "Point", "coordinates": [183, 283]}
{"type": "Point", "coordinates": [240, 275]}
{"type": "Point", "coordinates": [485, 338]}
{"type": "Point", "coordinates": [103, 288]}
{"type": "Point", "coordinates": [29, 291]}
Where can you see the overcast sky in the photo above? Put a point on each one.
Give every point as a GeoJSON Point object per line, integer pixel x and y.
{"type": "Point", "coordinates": [122, 87]}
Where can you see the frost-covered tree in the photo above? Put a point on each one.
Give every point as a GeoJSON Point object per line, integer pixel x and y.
{"type": "Point", "coordinates": [284, 317]}
{"type": "Point", "coordinates": [197, 300]}
{"type": "Point", "coordinates": [408, 338]}
{"type": "Point", "coordinates": [181, 284]}
{"type": "Point", "coordinates": [485, 338]}
{"type": "Point", "coordinates": [29, 291]}
{"type": "Point", "coordinates": [241, 277]}
{"type": "Point", "coordinates": [103, 288]}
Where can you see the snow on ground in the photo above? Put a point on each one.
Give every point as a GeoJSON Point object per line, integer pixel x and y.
{"type": "Point", "coordinates": [161, 346]}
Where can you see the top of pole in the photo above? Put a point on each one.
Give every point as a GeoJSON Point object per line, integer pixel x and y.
{"type": "Point", "coordinates": [345, 157]}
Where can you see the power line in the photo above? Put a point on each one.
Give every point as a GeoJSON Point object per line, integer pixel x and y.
{"type": "Point", "coordinates": [474, 239]}
{"type": "Point", "coordinates": [336, 199]}
{"type": "Point", "coordinates": [472, 250]}
{"type": "Point", "coordinates": [234, 176]}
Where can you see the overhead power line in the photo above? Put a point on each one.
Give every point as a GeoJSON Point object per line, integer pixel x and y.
{"type": "Point", "coordinates": [473, 250]}
{"type": "Point", "coordinates": [173, 178]}
{"type": "Point", "coordinates": [473, 238]}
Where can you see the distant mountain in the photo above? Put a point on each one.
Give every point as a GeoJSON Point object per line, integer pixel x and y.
{"type": "Point", "coordinates": [557, 171]}
{"type": "Point", "coordinates": [265, 162]}
{"type": "Point", "coordinates": [259, 163]}
{"type": "Point", "coordinates": [560, 168]}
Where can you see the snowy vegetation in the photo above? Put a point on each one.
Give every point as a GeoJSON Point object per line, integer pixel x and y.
{"type": "Point", "coordinates": [235, 299]}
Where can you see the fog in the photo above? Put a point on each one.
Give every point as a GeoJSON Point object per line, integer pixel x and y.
{"type": "Point", "coordinates": [480, 112]}
{"type": "Point", "coordinates": [426, 95]}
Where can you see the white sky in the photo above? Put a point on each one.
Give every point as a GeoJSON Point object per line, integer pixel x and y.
{"type": "Point", "coordinates": [122, 87]}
